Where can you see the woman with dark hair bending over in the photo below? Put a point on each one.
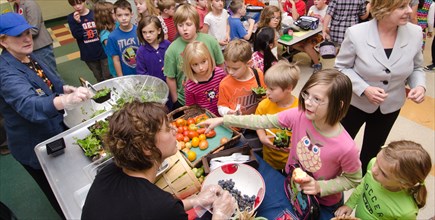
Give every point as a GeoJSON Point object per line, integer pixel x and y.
{"type": "Point", "coordinates": [140, 137]}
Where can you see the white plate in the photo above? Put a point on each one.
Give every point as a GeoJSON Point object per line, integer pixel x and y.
{"type": "Point", "coordinates": [247, 180]}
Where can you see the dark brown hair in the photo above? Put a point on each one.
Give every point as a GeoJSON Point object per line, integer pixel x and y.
{"type": "Point", "coordinates": [145, 21]}
{"type": "Point", "coordinates": [75, 2]}
{"type": "Point", "coordinates": [132, 134]}
{"type": "Point", "coordinates": [122, 4]}
{"type": "Point", "coordinates": [339, 93]}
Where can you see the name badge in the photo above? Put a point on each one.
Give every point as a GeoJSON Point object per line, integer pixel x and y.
{"type": "Point", "coordinates": [40, 92]}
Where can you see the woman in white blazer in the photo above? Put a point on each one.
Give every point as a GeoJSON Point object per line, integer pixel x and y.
{"type": "Point", "coordinates": [381, 57]}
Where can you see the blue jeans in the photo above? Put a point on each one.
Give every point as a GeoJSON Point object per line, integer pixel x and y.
{"type": "Point", "coordinates": [327, 212]}
{"type": "Point", "coordinates": [46, 55]}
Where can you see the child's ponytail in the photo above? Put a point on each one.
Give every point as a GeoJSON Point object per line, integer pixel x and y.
{"type": "Point", "coordinates": [263, 39]}
{"type": "Point", "coordinates": [419, 192]}
{"type": "Point", "coordinates": [412, 164]}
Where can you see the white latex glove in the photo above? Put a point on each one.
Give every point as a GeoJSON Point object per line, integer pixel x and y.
{"type": "Point", "coordinates": [67, 89]}
{"type": "Point", "coordinates": [204, 200]}
{"type": "Point", "coordinates": [208, 194]}
{"type": "Point", "coordinates": [69, 101]}
{"type": "Point", "coordinates": [224, 206]}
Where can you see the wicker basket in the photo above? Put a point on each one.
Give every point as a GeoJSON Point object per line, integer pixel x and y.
{"type": "Point", "coordinates": [178, 179]}
{"type": "Point", "coordinates": [194, 110]}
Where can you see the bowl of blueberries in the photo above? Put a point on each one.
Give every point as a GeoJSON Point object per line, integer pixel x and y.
{"type": "Point", "coordinates": [243, 182]}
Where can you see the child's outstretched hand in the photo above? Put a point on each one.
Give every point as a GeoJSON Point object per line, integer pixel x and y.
{"type": "Point", "coordinates": [211, 123]}
{"type": "Point", "coordinates": [343, 211]}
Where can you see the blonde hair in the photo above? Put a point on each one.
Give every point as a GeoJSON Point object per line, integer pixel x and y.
{"type": "Point", "coordinates": [185, 12]}
{"type": "Point", "coordinates": [266, 16]}
{"type": "Point", "coordinates": [339, 93]}
{"type": "Point", "coordinates": [283, 74]}
{"type": "Point", "coordinates": [196, 50]}
{"type": "Point", "coordinates": [381, 8]}
{"type": "Point", "coordinates": [410, 164]}
{"type": "Point", "coordinates": [151, 8]}
{"type": "Point", "coordinates": [238, 50]}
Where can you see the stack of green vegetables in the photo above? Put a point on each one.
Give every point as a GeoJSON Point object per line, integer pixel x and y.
{"type": "Point", "coordinates": [92, 144]}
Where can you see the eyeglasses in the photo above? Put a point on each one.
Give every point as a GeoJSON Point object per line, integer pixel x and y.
{"type": "Point", "coordinates": [313, 100]}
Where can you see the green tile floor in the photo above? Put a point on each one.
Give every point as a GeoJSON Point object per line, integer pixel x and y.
{"type": "Point", "coordinates": [18, 190]}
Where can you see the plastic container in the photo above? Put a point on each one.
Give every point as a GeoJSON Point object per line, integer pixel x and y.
{"type": "Point", "coordinates": [286, 37]}
{"type": "Point", "coordinates": [142, 87]}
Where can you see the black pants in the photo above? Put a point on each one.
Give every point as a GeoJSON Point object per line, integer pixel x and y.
{"type": "Point", "coordinates": [377, 129]}
{"type": "Point", "coordinates": [41, 180]}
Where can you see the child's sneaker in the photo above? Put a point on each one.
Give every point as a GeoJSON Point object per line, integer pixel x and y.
{"type": "Point", "coordinates": [430, 67]}
{"type": "Point", "coordinates": [317, 67]}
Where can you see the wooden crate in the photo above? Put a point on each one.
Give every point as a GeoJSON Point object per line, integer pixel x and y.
{"type": "Point", "coordinates": [192, 111]}
{"type": "Point", "coordinates": [178, 179]}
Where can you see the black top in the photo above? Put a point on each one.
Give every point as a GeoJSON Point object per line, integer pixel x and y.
{"type": "Point", "coordinates": [388, 52]}
{"type": "Point", "coordinates": [115, 195]}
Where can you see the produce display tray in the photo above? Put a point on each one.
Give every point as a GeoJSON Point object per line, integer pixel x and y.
{"type": "Point", "coordinates": [214, 144]}
{"type": "Point", "coordinates": [71, 173]}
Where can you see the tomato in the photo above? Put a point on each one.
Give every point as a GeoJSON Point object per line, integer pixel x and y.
{"type": "Point", "coordinates": [180, 122]}
{"type": "Point", "coordinates": [186, 139]}
{"type": "Point", "coordinates": [185, 128]}
{"type": "Point", "coordinates": [195, 142]}
{"type": "Point", "coordinates": [203, 144]}
{"type": "Point", "coordinates": [202, 137]}
{"type": "Point", "coordinates": [185, 133]}
{"type": "Point", "coordinates": [192, 134]}
{"type": "Point", "coordinates": [223, 140]}
{"type": "Point", "coordinates": [201, 118]}
{"type": "Point", "coordinates": [179, 137]}
{"type": "Point", "coordinates": [193, 127]}
{"type": "Point", "coordinates": [210, 134]}
{"type": "Point", "coordinates": [180, 130]}
{"type": "Point", "coordinates": [201, 130]}
{"type": "Point", "coordinates": [190, 121]}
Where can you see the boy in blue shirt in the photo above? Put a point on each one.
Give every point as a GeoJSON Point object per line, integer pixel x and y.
{"type": "Point", "coordinates": [123, 43]}
{"type": "Point", "coordinates": [237, 30]}
{"type": "Point", "coordinates": [82, 25]}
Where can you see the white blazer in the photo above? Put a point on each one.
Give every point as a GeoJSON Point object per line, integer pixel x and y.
{"type": "Point", "coordinates": [362, 58]}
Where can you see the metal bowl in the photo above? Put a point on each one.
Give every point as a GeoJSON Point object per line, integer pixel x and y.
{"type": "Point", "coordinates": [142, 87]}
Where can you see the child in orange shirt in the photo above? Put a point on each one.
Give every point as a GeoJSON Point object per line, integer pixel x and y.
{"type": "Point", "coordinates": [236, 88]}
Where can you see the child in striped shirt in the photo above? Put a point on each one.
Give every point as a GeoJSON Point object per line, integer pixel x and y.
{"type": "Point", "coordinates": [204, 77]}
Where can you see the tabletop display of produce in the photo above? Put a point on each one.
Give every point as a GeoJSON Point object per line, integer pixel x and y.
{"type": "Point", "coordinates": [72, 171]}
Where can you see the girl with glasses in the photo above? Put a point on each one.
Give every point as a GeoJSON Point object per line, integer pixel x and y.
{"type": "Point", "coordinates": [319, 143]}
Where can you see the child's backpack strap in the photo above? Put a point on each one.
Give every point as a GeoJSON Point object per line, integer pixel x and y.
{"type": "Point", "coordinates": [257, 77]}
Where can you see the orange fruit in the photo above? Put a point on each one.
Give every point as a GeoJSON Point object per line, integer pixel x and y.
{"type": "Point", "coordinates": [202, 137]}
{"type": "Point", "coordinates": [191, 155]}
{"type": "Point", "coordinates": [195, 142]}
{"type": "Point", "coordinates": [223, 140]}
{"type": "Point", "coordinates": [203, 144]}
